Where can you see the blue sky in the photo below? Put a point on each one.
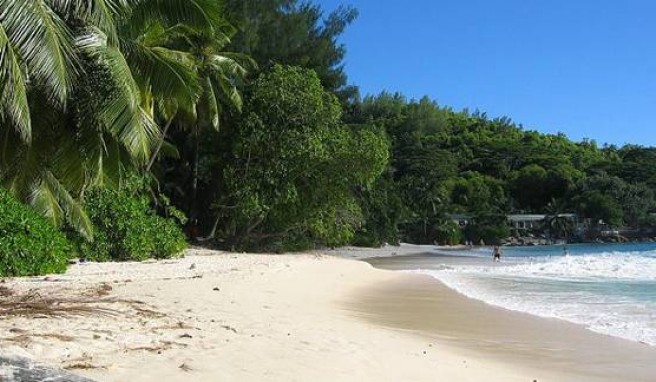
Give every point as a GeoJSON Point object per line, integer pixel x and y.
{"type": "Point", "coordinates": [586, 68]}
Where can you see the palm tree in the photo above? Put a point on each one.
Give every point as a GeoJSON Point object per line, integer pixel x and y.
{"type": "Point", "coordinates": [78, 84]}
{"type": "Point", "coordinates": [219, 74]}
{"type": "Point", "coordinates": [36, 49]}
{"type": "Point", "coordinates": [38, 67]}
{"type": "Point", "coordinates": [556, 222]}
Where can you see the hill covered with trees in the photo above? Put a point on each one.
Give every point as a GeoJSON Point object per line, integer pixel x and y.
{"type": "Point", "coordinates": [445, 162]}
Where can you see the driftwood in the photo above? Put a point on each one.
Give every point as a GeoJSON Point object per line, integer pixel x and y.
{"type": "Point", "coordinates": [32, 304]}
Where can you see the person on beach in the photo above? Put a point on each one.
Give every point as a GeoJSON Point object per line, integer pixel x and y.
{"type": "Point", "coordinates": [497, 253]}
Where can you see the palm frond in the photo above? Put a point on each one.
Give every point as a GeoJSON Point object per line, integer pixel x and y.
{"type": "Point", "coordinates": [224, 64]}
{"type": "Point", "coordinates": [69, 163]}
{"type": "Point", "coordinates": [121, 115]}
{"type": "Point", "coordinates": [102, 14]}
{"type": "Point", "coordinates": [14, 106]}
{"type": "Point", "coordinates": [56, 146]}
{"type": "Point", "coordinates": [228, 91]}
{"type": "Point", "coordinates": [211, 104]}
{"type": "Point", "coordinates": [225, 72]}
{"type": "Point", "coordinates": [246, 62]}
{"type": "Point", "coordinates": [52, 199]}
{"type": "Point", "coordinates": [42, 198]}
{"type": "Point", "coordinates": [105, 167]}
{"type": "Point", "coordinates": [169, 150]}
{"type": "Point", "coordinates": [168, 108]}
{"type": "Point", "coordinates": [94, 43]}
{"type": "Point", "coordinates": [44, 42]}
{"type": "Point", "coordinates": [167, 73]}
{"type": "Point", "coordinates": [201, 14]}
{"type": "Point", "coordinates": [23, 171]}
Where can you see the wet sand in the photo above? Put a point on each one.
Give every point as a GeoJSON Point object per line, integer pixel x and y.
{"type": "Point", "coordinates": [427, 308]}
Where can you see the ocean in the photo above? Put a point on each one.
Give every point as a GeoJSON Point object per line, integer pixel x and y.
{"type": "Point", "coordinates": [608, 288]}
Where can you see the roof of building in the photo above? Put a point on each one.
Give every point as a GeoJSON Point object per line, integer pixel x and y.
{"type": "Point", "coordinates": [534, 217]}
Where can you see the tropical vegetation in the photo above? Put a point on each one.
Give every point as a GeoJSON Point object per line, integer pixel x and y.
{"type": "Point", "coordinates": [125, 122]}
{"type": "Point", "coordinates": [29, 244]}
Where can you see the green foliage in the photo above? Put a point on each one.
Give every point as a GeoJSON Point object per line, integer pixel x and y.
{"type": "Point", "coordinates": [614, 201]}
{"type": "Point", "coordinates": [490, 229]}
{"type": "Point", "coordinates": [29, 244]}
{"type": "Point", "coordinates": [529, 186]}
{"type": "Point", "coordinates": [636, 165]}
{"type": "Point", "coordinates": [476, 193]}
{"type": "Point", "coordinates": [382, 210]}
{"type": "Point", "coordinates": [446, 162]}
{"type": "Point", "coordinates": [78, 85]}
{"type": "Point", "coordinates": [448, 233]}
{"type": "Point", "coordinates": [294, 33]}
{"type": "Point", "coordinates": [560, 227]}
{"type": "Point", "coordinates": [296, 166]}
{"type": "Point", "coordinates": [126, 228]}
{"type": "Point", "coordinates": [602, 209]}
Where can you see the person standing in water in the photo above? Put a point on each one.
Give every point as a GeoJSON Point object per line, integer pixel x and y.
{"type": "Point", "coordinates": [497, 253]}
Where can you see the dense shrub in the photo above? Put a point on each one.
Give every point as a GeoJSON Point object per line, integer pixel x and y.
{"type": "Point", "coordinates": [491, 230]}
{"type": "Point", "coordinates": [29, 244]}
{"type": "Point", "coordinates": [294, 167]}
{"type": "Point", "coordinates": [448, 233]}
{"type": "Point", "coordinates": [126, 228]}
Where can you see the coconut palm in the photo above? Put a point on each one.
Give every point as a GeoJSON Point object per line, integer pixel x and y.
{"type": "Point", "coordinates": [36, 50]}
{"type": "Point", "coordinates": [78, 81]}
{"type": "Point", "coordinates": [38, 67]}
{"type": "Point", "coordinates": [219, 73]}
{"type": "Point", "coordinates": [556, 222]}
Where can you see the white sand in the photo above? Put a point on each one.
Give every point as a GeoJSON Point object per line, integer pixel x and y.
{"type": "Point", "coordinates": [273, 318]}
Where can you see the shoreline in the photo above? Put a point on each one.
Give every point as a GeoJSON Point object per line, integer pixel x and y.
{"type": "Point", "coordinates": [223, 316]}
{"type": "Point", "coordinates": [423, 265]}
{"type": "Point", "coordinates": [426, 307]}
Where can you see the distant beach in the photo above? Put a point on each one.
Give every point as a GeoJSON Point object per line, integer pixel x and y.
{"type": "Point", "coordinates": [316, 316]}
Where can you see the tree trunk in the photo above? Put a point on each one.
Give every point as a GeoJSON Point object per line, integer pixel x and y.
{"type": "Point", "coordinates": [193, 210]}
{"type": "Point", "coordinates": [215, 226]}
{"type": "Point", "coordinates": [159, 144]}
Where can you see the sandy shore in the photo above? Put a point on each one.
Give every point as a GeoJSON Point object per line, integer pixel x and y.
{"type": "Point", "coordinates": [570, 353]}
{"type": "Point", "coordinates": [225, 317]}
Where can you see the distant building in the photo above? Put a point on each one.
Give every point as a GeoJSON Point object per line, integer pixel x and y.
{"type": "Point", "coordinates": [522, 223]}
{"type": "Point", "coordinates": [525, 222]}
{"type": "Point", "coordinates": [460, 219]}
{"type": "Point", "coordinates": [518, 223]}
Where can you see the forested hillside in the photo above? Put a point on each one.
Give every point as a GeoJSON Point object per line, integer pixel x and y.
{"type": "Point", "coordinates": [125, 122]}
{"type": "Point", "coordinates": [445, 162]}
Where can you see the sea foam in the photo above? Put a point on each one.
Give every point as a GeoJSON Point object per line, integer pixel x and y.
{"type": "Point", "coordinates": [627, 266]}
{"type": "Point", "coordinates": [610, 293]}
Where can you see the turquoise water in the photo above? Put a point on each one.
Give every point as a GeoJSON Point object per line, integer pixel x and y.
{"type": "Point", "coordinates": [608, 288]}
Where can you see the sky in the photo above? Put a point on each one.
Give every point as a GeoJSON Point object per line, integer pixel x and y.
{"type": "Point", "coordinates": [582, 67]}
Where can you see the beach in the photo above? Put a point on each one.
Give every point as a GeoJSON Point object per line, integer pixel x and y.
{"type": "Point", "coordinates": [214, 316]}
